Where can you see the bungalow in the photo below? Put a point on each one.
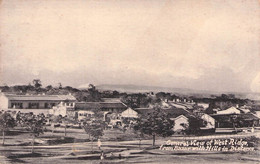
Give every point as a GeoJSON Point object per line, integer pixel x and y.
{"type": "Point", "coordinates": [231, 110]}
{"type": "Point", "coordinates": [129, 113]}
{"type": "Point", "coordinates": [209, 122]}
{"type": "Point", "coordinates": [86, 108]}
{"type": "Point", "coordinates": [180, 123]}
{"type": "Point", "coordinates": [235, 120]}
{"type": "Point", "coordinates": [33, 103]}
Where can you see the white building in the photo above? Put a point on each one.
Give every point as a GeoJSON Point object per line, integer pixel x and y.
{"type": "Point", "coordinates": [33, 103]}
{"type": "Point", "coordinates": [210, 121]}
{"type": "Point", "coordinates": [180, 123]}
{"type": "Point", "coordinates": [129, 113]}
{"type": "Point", "coordinates": [231, 110]}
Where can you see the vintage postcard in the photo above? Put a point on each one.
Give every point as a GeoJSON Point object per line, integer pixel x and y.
{"type": "Point", "coordinates": [129, 81]}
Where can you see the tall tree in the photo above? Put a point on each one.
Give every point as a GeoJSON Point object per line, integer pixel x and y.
{"type": "Point", "coordinates": [55, 120]}
{"type": "Point", "coordinates": [95, 129]}
{"type": "Point", "coordinates": [6, 122]}
{"type": "Point", "coordinates": [37, 83]}
{"type": "Point", "coordinates": [34, 124]}
{"type": "Point", "coordinates": [67, 120]}
{"type": "Point", "coordinates": [155, 123]}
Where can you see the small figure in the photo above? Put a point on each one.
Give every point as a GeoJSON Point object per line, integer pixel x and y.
{"type": "Point", "coordinates": [119, 156]}
{"type": "Point", "coordinates": [253, 130]}
{"type": "Point", "coordinates": [99, 144]}
{"type": "Point", "coordinates": [102, 156]}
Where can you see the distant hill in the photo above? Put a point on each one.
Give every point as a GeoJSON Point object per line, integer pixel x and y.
{"type": "Point", "coordinates": [184, 91]}
{"type": "Point", "coordinates": [139, 88]}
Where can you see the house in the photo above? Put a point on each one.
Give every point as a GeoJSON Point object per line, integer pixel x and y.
{"type": "Point", "coordinates": [102, 106]}
{"type": "Point", "coordinates": [63, 109]}
{"type": "Point", "coordinates": [175, 112]}
{"type": "Point", "coordinates": [143, 111]}
{"type": "Point", "coordinates": [108, 108]}
{"type": "Point", "coordinates": [180, 123]}
{"type": "Point", "coordinates": [235, 120]}
{"type": "Point", "coordinates": [208, 120]}
{"type": "Point", "coordinates": [33, 103]}
{"type": "Point", "coordinates": [231, 110]}
{"type": "Point", "coordinates": [129, 113]}
{"type": "Point", "coordinates": [204, 105]}
{"type": "Point", "coordinates": [84, 114]}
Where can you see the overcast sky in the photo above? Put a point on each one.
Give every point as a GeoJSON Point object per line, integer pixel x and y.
{"type": "Point", "coordinates": [209, 45]}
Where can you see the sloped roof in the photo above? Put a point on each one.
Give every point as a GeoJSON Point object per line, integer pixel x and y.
{"type": "Point", "coordinates": [248, 116]}
{"type": "Point", "coordinates": [180, 116]}
{"type": "Point", "coordinates": [244, 116]}
{"type": "Point", "coordinates": [175, 112]}
{"type": "Point", "coordinates": [100, 105]}
{"type": "Point", "coordinates": [129, 112]}
{"type": "Point", "coordinates": [230, 110]}
{"type": "Point", "coordinates": [143, 110]}
{"type": "Point", "coordinates": [113, 105]}
{"type": "Point", "coordinates": [111, 99]}
{"type": "Point", "coordinates": [87, 105]}
{"type": "Point", "coordinates": [41, 97]}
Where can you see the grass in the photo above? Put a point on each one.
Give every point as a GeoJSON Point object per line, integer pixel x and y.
{"type": "Point", "coordinates": [77, 148]}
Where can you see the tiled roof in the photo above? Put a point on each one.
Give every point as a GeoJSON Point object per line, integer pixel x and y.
{"type": "Point", "coordinates": [111, 99]}
{"type": "Point", "coordinates": [87, 105]}
{"type": "Point", "coordinates": [175, 112]}
{"type": "Point", "coordinates": [113, 105]}
{"type": "Point", "coordinates": [100, 105]}
{"type": "Point", "coordinates": [143, 110]}
{"type": "Point", "coordinates": [41, 97]}
{"type": "Point", "coordinates": [248, 116]}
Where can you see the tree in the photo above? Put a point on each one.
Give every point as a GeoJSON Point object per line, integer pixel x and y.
{"type": "Point", "coordinates": [34, 124]}
{"type": "Point", "coordinates": [156, 123]}
{"type": "Point", "coordinates": [95, 129]}
{"type": "Point", "coordinates": [60, 85]}
{"type": "Point", "coordinates": [66, 121]}
{"type": "Point", "coordinates": [6, 122]}
{"type": "Point", "coordinates": [37, 83]}
{"type": "Point", "coordinates": [94, 94]}
{"type": "Point", "coordinates": [194, 125]}
{"type": "Point", "coordinates": [49, 87]}
{"type": "Point", "coordinates": [54, 120]}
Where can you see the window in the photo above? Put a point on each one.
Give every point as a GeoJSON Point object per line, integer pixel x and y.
{"type": "Point", "coordinates": [17, 105]}
{"type": "Point", "coordinates": [46, 105]}
{"type": "Point", "coordinates": [33, 105]}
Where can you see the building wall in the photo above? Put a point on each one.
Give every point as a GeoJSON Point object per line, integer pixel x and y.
{"type": "Point", "coordinates": [3, 102]}
{"type": "Point", "coordinates": [210, 121]}
{"type": "Point", "coordinates": [26, 104]}
{"type": "Point", "coordinates": [178, 123]}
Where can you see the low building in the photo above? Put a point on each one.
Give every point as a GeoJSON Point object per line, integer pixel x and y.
{"type": "Point", "coordinates": [33, 103]}
{"type": "Point", "coordinates": [129, 113]}
{"type": "Point", "coordinates": [209, 122]}
{"type": "Point", "coordinates": [180, 123]}
{"type": "Point", "coordinates": [235, 120]}
{"type": "Point", "coordinates": [63, 109]}
{"type": "Point", "coordinates": [231, 110]}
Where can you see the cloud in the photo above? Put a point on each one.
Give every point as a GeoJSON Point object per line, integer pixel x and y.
{"type": "Point", "coordinates": [202, 44]}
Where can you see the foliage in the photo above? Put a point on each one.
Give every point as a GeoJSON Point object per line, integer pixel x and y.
{"type": "Point", "coordinates": [194, 126]}
{"type": "Point", "coordinates": [6, 122]}
{"type": "Point", "coordinates": [37, 83]}
{"type": "Point", "coordinates": [94, 128]}
{"type": "Point", "coordinates": [33, 123]}
{"type": "Point", "coordinates": [156, 123]}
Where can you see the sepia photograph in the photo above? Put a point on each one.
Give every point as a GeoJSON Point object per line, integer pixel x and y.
{"type": "Point", "coordinates": [129, 81]}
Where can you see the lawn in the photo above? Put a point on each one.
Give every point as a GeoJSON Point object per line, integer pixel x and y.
{"type": "Point", "coordinates": [118, 146]}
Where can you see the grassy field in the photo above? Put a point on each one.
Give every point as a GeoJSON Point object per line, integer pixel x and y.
{"type": "Point", "coordinates": [76, 148]}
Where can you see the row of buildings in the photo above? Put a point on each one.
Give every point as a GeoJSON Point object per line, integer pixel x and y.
{"type": "Point", "coordinates": [114, 111]}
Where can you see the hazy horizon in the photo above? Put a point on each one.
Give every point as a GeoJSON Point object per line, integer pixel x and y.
{"type": "Point", "coordinates": [201, 45]}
